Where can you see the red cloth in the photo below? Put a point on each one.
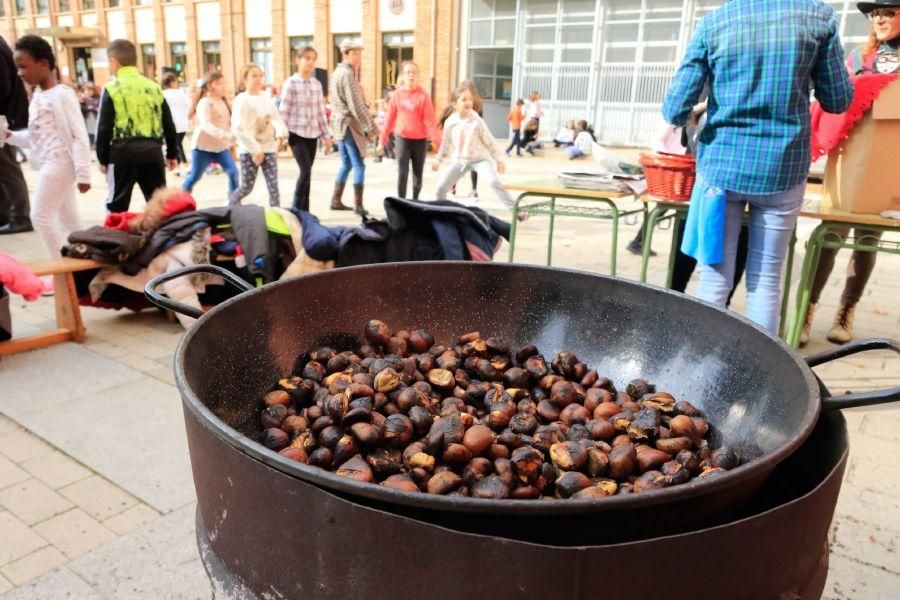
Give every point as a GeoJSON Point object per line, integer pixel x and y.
{"type": "Point", "coordinates": [829, 130]}
{"type": "Point", "coordinates": [411, 115]}
{"type": "Point", "coordinates": [19, 279]}
{"type": "Point", "coordinates": [177, 204]}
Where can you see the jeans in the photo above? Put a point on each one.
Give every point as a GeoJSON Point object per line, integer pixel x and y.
{"type": "Point", "coordinates": [574, 152]}
{"type": "Point", "coordinates": [485, 168]}
{"type": "Point", "coordinates": [350, 160]}
{"type": "Point", "coordinates": [516, 142]}
{"type": "Point", "coordinates": [410, 151]}
{"type": "Point", "coordinates": [200, 159]}
{"type": "Point", "coordinates": [772, 221]}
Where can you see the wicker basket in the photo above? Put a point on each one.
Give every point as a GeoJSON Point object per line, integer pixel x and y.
{"type": "Point", "coordinates": [670, 176]}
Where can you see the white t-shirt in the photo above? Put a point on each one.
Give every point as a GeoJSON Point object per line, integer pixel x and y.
{"type": "Point", "coordinates": [565, 135]}
{"type": "Point", "coordinates": [534, 111]}
{"type": "Point", "coordinates": [179, 106]}
{"type": "Point", "coordinates": [256, 123]}
{"type": "Point", "coordinates": [52, 141]}
{"type": "Point", "coordinates": [584, 142]}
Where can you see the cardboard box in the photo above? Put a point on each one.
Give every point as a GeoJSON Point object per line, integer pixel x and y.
{"type": "Point", "coordinates": [863, 172]}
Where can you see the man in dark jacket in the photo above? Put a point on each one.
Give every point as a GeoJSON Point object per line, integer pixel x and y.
{"type": "Point", "coordinates": [14, 207]}
{"type": "Point", "coordinates": [134, 123]}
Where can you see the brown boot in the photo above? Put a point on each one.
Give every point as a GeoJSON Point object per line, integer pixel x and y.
{"type": "Point", "coordinates": [336, 203]}
{"type": "Point", "coordinates": [842, 330]}
{"type": "Point", "coordinates": [807, 324]}
{"type": "Point", "coordinates": [358, 200]}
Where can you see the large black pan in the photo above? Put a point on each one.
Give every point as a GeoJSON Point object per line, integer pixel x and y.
{"type": "Point", "coordinates": [758, 394]}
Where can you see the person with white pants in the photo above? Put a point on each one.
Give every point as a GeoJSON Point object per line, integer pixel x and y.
{"type": "Point", "coordinates": [61, 150]}
{"type": "Point", "coordinates": [473, 148]}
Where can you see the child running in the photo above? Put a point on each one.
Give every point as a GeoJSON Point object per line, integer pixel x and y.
{"type": "Point", "coordinates": [212, 136]}
{"type": "Point", "coordinates": [259, 129]}
{"type": "Point", "coordinates": [472, 146]}
{"type": "Point", "coordinates": [61, 151]}
{"type": "Point", "coordinates": [515, 118]}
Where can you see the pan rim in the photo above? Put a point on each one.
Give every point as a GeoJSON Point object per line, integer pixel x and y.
{"type": "Point", "coordinates": [758, 467]}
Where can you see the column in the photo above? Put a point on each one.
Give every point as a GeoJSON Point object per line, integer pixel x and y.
{"type": "Point", "coordinates": [234, 40]}
{"type": "Point", "coordinates": [371, 56]}
{"type": "Point", "coordinates": [280, 50]}
{"type": "Point", "coordinates": [445, 51]}
{"type": "Point", "coordinates": [322, 35]}
{"type": "Point", "coordinates": [161, 43]}
{"type": "Point", "coordinates": [195, 67]}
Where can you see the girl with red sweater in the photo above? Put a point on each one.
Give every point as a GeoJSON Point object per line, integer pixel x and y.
{"type": "Point", "coordinates": [410, 118]}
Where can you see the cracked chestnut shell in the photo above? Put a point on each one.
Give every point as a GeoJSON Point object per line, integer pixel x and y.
{"type": "Point", "coordinates": [490, 488]}
{"type": "Point", "coordinates": [526, 463]}
{"type": "Point", "coordinates": [443, 483]}
{"type": "Point", "coordinates": [568, 456]}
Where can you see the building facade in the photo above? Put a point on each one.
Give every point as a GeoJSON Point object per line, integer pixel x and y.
{"type": "Point", "coordinates": [192, 37]}
{"type": "Point", "coordinates": [606, 61]}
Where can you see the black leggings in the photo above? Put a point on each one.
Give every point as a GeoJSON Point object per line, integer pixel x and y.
{"type": "Point", "coordinates": [179, 147]}
{"type": "Point", "coordinates": [685, 265]}
{"type": "Point", "coordinates": [304, 151]}
{"type": "Point", "coordinates": [410, 151]}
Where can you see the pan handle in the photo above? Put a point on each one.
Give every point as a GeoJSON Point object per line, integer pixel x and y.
{"type": "Point", "coordinates": [168, 304]}
{"type": "Point", "coordinates": [861, 398]}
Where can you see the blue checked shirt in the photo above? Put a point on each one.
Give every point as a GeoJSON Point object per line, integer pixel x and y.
{"type": "Point", "coordinates": [760, 58]}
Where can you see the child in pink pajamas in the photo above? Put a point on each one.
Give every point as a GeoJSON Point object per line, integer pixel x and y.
{"type": "Point", "coordinates": [61, 151]}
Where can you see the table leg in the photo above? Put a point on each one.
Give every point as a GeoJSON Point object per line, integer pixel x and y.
{"type": "Point", "coordinates": [786, 292]}
{"type": "Point", "coordinates": [804, 289]}
{"type": "Point", "coordinates": [649, 226]}
{"type": "Point", "coordinates": [514, 226]}
{"type": "Point", "coordinates": [550, 234]}
{"type": "Point", "coordinates": [673, 250]}
{"type": "Point", "coordinates": [615, 236]}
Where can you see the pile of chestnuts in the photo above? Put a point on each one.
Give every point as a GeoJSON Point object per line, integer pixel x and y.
{"type": "Point", "coordinates": [478, 419]}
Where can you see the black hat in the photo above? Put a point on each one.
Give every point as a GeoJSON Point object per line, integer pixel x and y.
{"type": "Point", "coordinates": [867, 7]}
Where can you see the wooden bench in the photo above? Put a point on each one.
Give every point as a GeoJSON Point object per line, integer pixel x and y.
{"type": "Point", "coordinates": [69, 326]}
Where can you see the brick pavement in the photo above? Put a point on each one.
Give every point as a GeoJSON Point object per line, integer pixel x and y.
{"type": "Point", "coordinates": [96, 499]}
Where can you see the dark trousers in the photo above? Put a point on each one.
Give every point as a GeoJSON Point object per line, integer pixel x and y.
{"type": "Point", "coordinates": [410, 151]}
{"type": "Point", "coordinates": [516, 142]}
{"type": "Point", "coordinates": [149, 176]}
{"type": "Point", "coordinates": [14, 206]}
{"type": "Point", "coordinates": [859, 269]}
{"type": "Point", "coordinates": [304, 151]}
{"type": "Point", "coordinates": [179, 147]}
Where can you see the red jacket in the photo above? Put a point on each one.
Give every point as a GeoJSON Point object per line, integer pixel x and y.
{"type": "Point", "coordinates": [411, 115]}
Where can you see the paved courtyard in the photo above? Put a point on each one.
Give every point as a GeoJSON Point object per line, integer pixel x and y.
{"type": "Point", "coordinates": [96, 495]}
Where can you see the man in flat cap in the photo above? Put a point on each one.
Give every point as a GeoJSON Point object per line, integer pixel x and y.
{"type": "Point", "coordinates": [351, 126]}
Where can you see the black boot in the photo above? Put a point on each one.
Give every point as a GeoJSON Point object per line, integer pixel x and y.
{"type": "Point", "coordinates": [358, 200]}
{"type": "Point", "coordinates": [336, 203]}
{"type": "Point", "coordinates": [18, 227]}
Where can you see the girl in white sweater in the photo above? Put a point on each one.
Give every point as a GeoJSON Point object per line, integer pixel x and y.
{"type": "Point", "coordinates": [61, 151]}
{"type": "Point", "coordinates": [469, 141]}
{"type": "Point", "coordinates": [258, 127]}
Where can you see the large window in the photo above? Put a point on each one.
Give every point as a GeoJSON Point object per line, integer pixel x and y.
{"type": "Point", "coordinates": [212, 56]}
{"type": "Point", "coordinates": [20, 8]}
{"type": "Point", "coordinates": [492, 73]}
{"type": "Point", "coordinates": [148, 60]}
{"type": "Point", "coordinates": [87, 4]}
{"type": "Point", "coordinates": [492, 23]}
{"type": "Point", "coordinates": [42, 7]}
{"type": "Point", "coordinates": [178, 54]}
{"type": "Point", "coordinates": [261, 54]}
{"type": "Point", "coordinates": [296, 44]}
{"type": "Point", "coordinates": [63, 5]}
{"type": "Point", "coordinates": [339, 39]}
{"type": "Point", "coordinates": [396, 48]}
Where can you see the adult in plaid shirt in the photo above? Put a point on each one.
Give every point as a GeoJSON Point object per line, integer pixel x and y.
{"type": "Point", "coordinates": [351, 126]}
{"type": "Point", "coordinates": [303, 111]}
{"type": "Point", "coordinates": [759, 58]}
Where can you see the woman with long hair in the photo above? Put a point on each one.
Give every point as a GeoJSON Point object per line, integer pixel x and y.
{"type": "Point", "coordinates": [879, 55]}
{"type": "Point", "coordinates": [212, 135]}
{"type": "Point", "coordinates": [410, 116]}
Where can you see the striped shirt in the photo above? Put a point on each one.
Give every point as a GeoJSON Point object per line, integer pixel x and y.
{"type": "Point", "coordinates": [759, 59]}
{"type": "Point", "coordinates": [303, 107]}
